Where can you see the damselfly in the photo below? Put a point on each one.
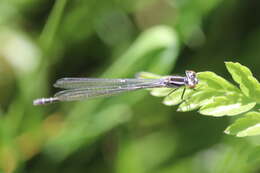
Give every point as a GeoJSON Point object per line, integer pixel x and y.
{"type": "Point", "coordinates": [86, 88]}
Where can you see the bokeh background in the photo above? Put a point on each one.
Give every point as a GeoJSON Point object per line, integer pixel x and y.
{"type": "Point", "coordinates": [43, 40]}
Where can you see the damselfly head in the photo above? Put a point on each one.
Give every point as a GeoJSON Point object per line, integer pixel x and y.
{"type": "Point", "coordinates": [191, 79]}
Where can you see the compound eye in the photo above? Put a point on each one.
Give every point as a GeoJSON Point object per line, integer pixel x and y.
{"type": "Point", "coordinates": [193, 74]}
{"type": "Point", "coordinates": [190, 74]}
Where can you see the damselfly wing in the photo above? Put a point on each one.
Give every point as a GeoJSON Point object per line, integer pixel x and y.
{"type": "Point", "coordinates": [87, 88]}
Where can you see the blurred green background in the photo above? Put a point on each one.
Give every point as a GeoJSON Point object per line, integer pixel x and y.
{"type": "Point", "coordinates": [43, 40]}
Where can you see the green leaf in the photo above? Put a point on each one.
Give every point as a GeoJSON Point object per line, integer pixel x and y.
{"type": "Point", "coordinates": [249, 125]}
{"type": "Point", "coordinates": [211, 80]}
{"type": "Point", "coordinates": [161, 92]}
{"type": "Point", "coordinates": [199, 99]}
{"type": "Point", "coordinates": [227, 105]}
{"type": "Point", "coordinates": [243, 76]}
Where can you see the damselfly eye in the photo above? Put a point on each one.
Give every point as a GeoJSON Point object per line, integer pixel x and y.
{"type": "Point", "coordinates": [190, 74]}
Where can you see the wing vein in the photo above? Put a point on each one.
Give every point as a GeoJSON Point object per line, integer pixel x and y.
{"type": "Point", "coordinates": [94, 83]}
{"type": "Point", "coordinates": [87, 93]}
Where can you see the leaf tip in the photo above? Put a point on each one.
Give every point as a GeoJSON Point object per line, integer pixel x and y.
{"type": "Point", "coordinates": [168, 103]}
{"type": "Point", "coordinates": [227, 131]}
{"type": "Point", "coordinates": [226, 62]}
{"type": "Point", "coordinates": [180, 109]}
{"type": "Point", "coordinates": [230, 63]}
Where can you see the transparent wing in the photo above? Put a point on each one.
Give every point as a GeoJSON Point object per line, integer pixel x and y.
{"type": "Point", "coordinates": [87, 93]}
{"type": "Point", "coordinates": [94, 83]}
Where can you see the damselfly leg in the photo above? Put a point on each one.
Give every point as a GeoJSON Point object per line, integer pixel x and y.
{"type": "Point", "coordinates": [183, 92]}
{"type": "Point", "coordinates": [172, 91]}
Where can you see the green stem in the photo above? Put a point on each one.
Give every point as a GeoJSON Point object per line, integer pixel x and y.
{"type": "Point", "coordinates": [51, 26]}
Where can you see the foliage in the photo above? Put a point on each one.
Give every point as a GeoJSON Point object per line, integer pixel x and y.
{"type": "Point", "coordinates": [215, 96]}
